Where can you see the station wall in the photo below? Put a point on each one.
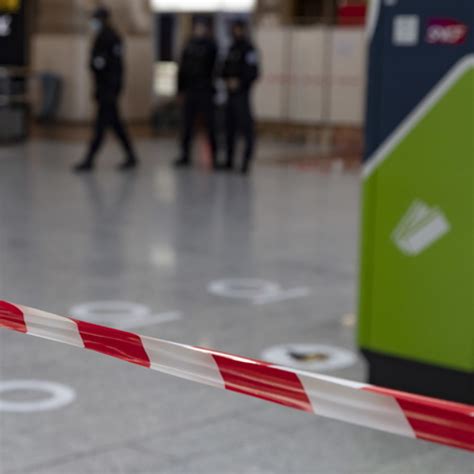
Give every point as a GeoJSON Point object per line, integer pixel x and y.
{"type": "Point", "coordinates": [312, 75]}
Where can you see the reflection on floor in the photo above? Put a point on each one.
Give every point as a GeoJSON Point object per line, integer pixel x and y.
{"type": "Point", "coordinates": [155, 240]}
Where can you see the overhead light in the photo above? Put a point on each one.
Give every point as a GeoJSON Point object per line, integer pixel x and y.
{"type": "Point", "coordinates": [203, 5]}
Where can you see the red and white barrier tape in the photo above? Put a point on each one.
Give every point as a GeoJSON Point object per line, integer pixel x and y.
{"type": "Point", "coordinates": [387, 410]}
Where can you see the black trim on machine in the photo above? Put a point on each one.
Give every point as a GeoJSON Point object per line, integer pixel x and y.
{"type": "Point", "coordinates": [423, 379]}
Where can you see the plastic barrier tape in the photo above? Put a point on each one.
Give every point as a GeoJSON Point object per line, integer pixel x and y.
{"type": "Point", "coordinates": [387, 410]}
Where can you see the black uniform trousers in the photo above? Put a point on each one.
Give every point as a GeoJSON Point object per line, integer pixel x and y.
{"type": "Point", "coordinates": [198, 104]}
{"type": "Point", "coordinates": [239, 120]}
{"type": "Point", "coordinates": [108, 116]}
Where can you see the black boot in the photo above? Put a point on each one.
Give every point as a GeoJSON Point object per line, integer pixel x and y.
{"type": "Point", "coordinates": [229, 165]}
{"type": "Point", "coordinates": [245, 168]}
{"type": "Point", "coordinates": [83, 167]}
{"type": "Point", "coordinates": [216, 166]}
{"type": "Point", "coordinates": [128, 164]}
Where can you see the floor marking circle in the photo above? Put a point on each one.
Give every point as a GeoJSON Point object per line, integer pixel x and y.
{"type": "Point", "coordinates": [317, 357]}
{"type": "Point", "coordinates": [59, 396]}
{"type": "Point", "coordinates": [244, 288]}
{"type": "Point", "coordinates": [283, 295]}
{"type": "Point", "coordinates": [101, 309]}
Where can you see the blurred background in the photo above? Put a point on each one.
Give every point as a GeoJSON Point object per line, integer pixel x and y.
{"type": "Point", "coordinates": [346, 250]}
{"type": "Point", "coordinates": [316, 100]}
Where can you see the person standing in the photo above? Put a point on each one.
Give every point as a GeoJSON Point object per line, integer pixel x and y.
{"type": "Point", "coordinates": [106, 64]}
{"type": "Point", "coordinates": [196, 90]}
{"type": "Point", "coordinates": [240, 71]}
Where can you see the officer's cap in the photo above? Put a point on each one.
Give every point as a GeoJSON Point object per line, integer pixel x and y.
{"type": "Point", "coordinates": [101, 13]}
{"type": "Point", "coordinates": [202, 20]}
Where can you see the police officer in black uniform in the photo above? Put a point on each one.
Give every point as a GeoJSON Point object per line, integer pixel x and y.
{"type": "Point", "coordinates": [106, 64]}
{"type": "Point", "coordinates": [196, 90]}
{"type": "Point", "coordinates": [240, 71]}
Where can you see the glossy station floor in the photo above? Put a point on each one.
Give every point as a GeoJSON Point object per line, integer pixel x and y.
{"type": "Point", "coordinates": [236, 264]}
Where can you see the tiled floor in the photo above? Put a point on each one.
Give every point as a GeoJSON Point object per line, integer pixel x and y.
{"type": "Point", "coordinates": [159, 237]}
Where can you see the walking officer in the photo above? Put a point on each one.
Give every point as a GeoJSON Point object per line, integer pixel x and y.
{"type": "Point", "coordinates": [240, 71]}
{"type": "Point", "coordinates": [196, 90]}
{"type": "Point", "coordinates": [106, 64]}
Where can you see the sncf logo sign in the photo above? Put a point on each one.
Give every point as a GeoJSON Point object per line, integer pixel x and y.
{"type": "Point", "coordinates": [446, 31]}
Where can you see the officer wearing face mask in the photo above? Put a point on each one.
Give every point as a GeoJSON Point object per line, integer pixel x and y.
{"type": "Point", "coordinates": [240, 71]}
{"type": "Point", "coordinates": [106, 64]}
{"type": "Point", "coordinates": [196, 90]}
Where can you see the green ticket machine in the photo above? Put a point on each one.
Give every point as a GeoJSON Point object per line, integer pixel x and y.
{"type": "Point", "coordinates": [416, 309]}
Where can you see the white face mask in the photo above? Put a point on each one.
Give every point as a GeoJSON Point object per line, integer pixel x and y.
{"type": "Point", "coordinates": [95, 25]}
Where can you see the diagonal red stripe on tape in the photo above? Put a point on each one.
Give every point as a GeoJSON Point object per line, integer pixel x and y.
{"type": "Point", "coordinates": [441, 440]}
{"type": "Point", "coordinates": [435, 432]}
{"type": "Point", "coordinates": [12, 317]}
{"type": "Point", "coordinates": [113, 342]}
{"type": "Point", "coordinates": [433, 419]}
{"type": "Point", "coordinates": [442, 424]}
{"type": "Point", "coordinates": [262, 381]}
